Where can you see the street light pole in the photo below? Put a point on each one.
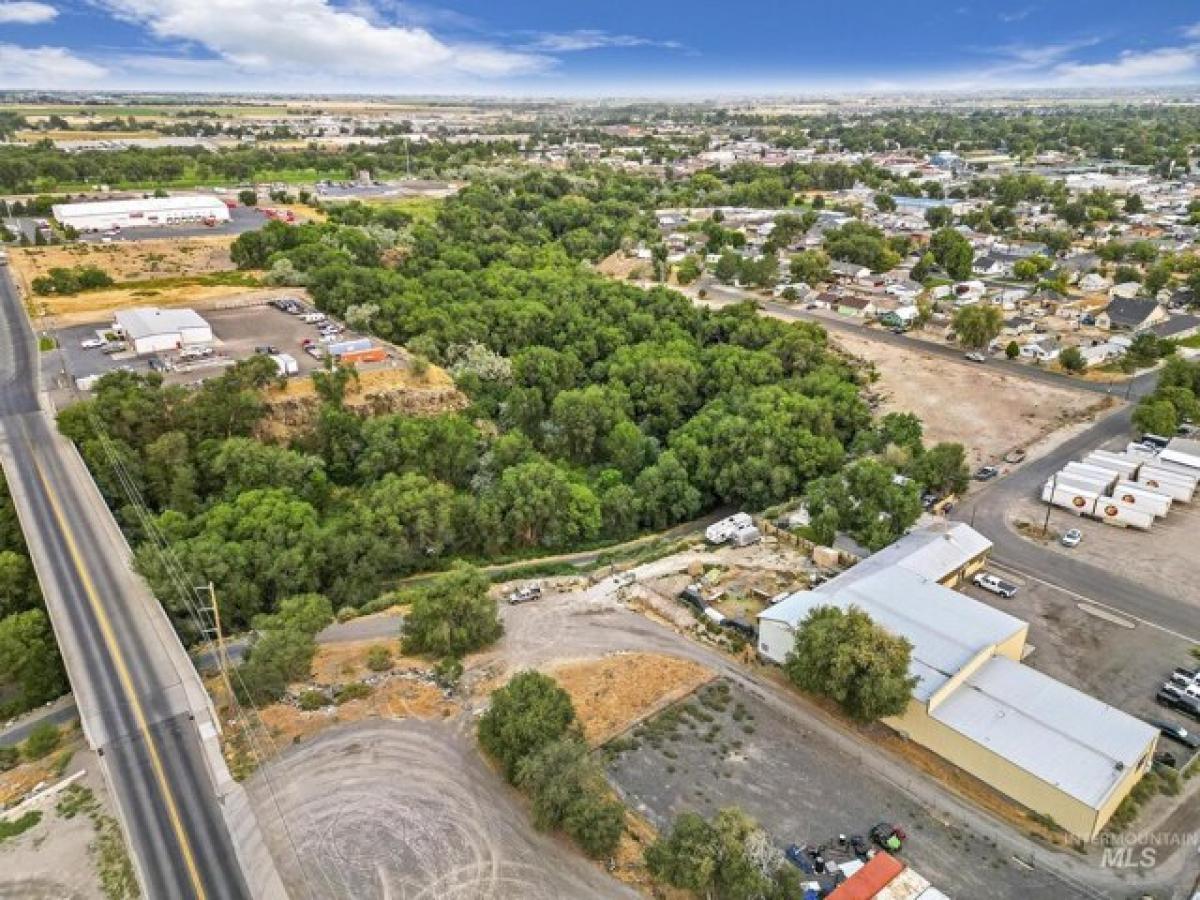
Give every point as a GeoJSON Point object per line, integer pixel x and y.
{"type": "Point", "coordinates": [1050, 504]}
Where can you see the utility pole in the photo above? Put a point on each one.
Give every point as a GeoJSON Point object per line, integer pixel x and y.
{"type": "Point", "coordinates": [219, 637]}
{"type": "Point", "coordinates": [1050, 504]}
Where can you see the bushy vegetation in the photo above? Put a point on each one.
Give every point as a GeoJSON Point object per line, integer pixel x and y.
{"type": "Point", "coordinates": [598, 409]}
{"type": "Point", "coordinates": [71, 281]}
{"type": "Point", "coordinates": [530, 730]}
{"type": "Point", "coordinates": [845, 656]}
{"type": "Point", "coordinates": [452, 616]}
{"type": "Point", "coordinates": [1175, 399]}
{"type": "Point", "coordinates": [31, 670]}
{"type": "Point", "coordinates": [728, 858]}
{"type": "Point", "coordinates": [283, 649]}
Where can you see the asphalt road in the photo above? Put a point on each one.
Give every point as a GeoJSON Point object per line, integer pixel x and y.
{"type": "Point", "coordinates": [133, 705]}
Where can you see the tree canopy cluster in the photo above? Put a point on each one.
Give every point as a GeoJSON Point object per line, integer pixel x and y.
{"type": "Point", "coordinates": [531, 731]}
{"type": "Point", "coordinates": [31, 670]}
{"type": "Point", "coordinates": [1175, 399]}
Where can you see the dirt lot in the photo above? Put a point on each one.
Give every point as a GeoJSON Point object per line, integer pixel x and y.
{"type": "Point", "coordinates": [802, 790]}
{"type": "Point", "coordinates": [98, 306]}
{"type": "Point", "coordinates": [55, 859]}
{"type": "Point", "coordinates": [155, 258]}
{"type": "Point", "coordinates": [615, 692]}
{"type": "Point", "coordinates": [409, 809]}
{"type": "Point", "coordinates": [989, 413]}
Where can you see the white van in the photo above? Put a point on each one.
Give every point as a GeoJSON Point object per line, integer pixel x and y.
{"type": "Point", "coordinates": [313, 318]}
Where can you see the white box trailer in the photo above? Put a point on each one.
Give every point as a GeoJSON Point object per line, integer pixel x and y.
{"type": "Point", "coordinates": [1084, 482]}
{"type": "Point", "coordinates": [1110, 512]}
{"type": "Point", "coordinates": [1139, 451]}
{"type": "Point", "coordinates": [1080, 501]}
{"type": "Point", "coordinates": [1108, 476]}
{"type": "Point", "coordinates": [1178, 487]}
{"type": "Point", "coordinates": [287, 364]}
{"type": "Point", "coordinates": [1184, 451]}
{"type": "Point", "coordinates": [1123, 464]}
{"type": "Point", "coordinates": [1140, 496]}
{"type": "Point", "coordinates": [1184, 472]}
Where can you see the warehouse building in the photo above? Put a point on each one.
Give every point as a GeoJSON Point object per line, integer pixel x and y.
{"type": "Point", "coordinates": [104, 215]}
{"type": "Point", "coordinates": [152, 330]}
{"type": "Point", "coordinates": [1051, 748]}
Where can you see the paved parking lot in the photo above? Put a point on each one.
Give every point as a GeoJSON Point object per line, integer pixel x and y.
{"type": "Point", "coordinates": [1108, 656]}
{"type": "Point", "coordinates": [238, 332]}
{"type": "Point", "coordinates": [803, 790]}
{"type": "Point", "coordinates": [241, 219]}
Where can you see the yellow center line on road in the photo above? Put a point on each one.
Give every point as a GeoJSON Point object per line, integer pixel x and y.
{"type": "Point", "coordinates": [123, 673]}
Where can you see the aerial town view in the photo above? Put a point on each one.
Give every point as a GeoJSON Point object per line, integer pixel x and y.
{"type": "Point", "coordinates": [568, 451]}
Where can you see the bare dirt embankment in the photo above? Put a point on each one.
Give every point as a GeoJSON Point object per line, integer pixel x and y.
{"type": "Point", "coordinates": [376, 392]}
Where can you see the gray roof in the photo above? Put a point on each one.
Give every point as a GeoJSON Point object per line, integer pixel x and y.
{"type": "Point", "coordinates": [1056, 733]}
{"type": "Point", "coordinates": [1177, 326]}
{"type": "Point", "coordinates": [1130, 312]}
{"type": "Point", "coordinates": [146, 321]}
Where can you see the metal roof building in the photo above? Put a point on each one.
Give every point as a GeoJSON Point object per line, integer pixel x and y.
{"type": "Point", "coordinates": [140, 213]}
{"type": "Point", "coordinates": [153, 330]}
{"type": "Point", "coordinates": [1046, 745]}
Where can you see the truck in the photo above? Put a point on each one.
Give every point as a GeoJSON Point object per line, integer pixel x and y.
{"type": "Point", "coordinates": [1109, 476]}
{"type": "Point", "coordinates": [287, 364]}
{"type": "Point", "coordinates": [1184, 452]}
{"type": "Point", "coordinates": [1177, 487]}
{"type": "Point", "coordinates": [1121, 463]}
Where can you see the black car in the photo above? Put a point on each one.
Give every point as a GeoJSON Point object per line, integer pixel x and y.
{"type": "Point", "coordinates": [1176, 733]}
{"type": "Point", "coordinates": [742, 627]}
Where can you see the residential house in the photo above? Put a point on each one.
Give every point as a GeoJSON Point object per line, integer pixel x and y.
{"type": "Point", "coordinates": [1093, 283]}
{"type": "Point", "coordinates": [1177, 327]}
{"type": "Point", "coordinates": [991, 264]}
{"type": "Point", "coordinates": [856, 305]}
{"type": "Point", "coordinates": [1044, 349]}
{"type": "Point", "coordinates": [1100, 353]}
{"type": "Point", "coordinates": [1137, 314]}
{"type": "Point", "coordinates": [847, 271]}
{"type": "Point", "coordinates": [1017, 325]}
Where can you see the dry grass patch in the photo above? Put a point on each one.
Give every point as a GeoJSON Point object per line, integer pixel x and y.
{"type": "Point", "coordinates": [128, 260]}
{"type": "Point", "coordinates": [614, 693]}
{"type": "Point", "coordinates": [98, 306]}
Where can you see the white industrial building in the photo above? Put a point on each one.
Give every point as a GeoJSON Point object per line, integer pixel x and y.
{"type": "Point", "coordinates": [152, 330]}
{"type": "Point", "coordinates": [103, 215]}
{"type": "Point", "coordinates": [1046, 745]}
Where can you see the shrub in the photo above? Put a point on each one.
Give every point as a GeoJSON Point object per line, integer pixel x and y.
{"type": "Point", "coordinates": [379, 658]}
{"type": "Point", "coordinates": [42, 740]}
{"type": "Point", "coordinates": [355, 690]}
{"type": "Point", "coordinates": [526, 714]}
{"type": "Point", "coordinates": [311, 700]}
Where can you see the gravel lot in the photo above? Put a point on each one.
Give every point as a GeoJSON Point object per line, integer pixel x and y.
{"type": "Point", "coordinates": [802, 790]}
{"type": "Point", "coordinates": [408, 809]}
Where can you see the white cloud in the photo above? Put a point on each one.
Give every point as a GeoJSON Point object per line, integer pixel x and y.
{"type": "Point", "coordinates": [289, 38]}
{"type": "Point", "coordinates": [45, 67]}
{"type": "Point", "coordinates": [593, 39]}
{"type": "Point", "coordinates": [1192, 31]}
{"type": "Point", "coordinates": [1017, 15]}
{"type": "Point", "coordinates": [1133, 66]}
{"type": "Point", "coordinates": [26, 12]}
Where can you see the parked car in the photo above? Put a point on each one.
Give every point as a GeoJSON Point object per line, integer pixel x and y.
{"type": "Point", "coordinates": [995, 585]}
{"type": "Point", "coordinates": [1155, 440]}
{"type": "Point", "coordinates": [1014, 456]}
{"type": "Point", "coordinates": [975, 356]}
{"type": "Point", "coordinates": [742, 627]}
{"type": "Point", "coordinates": [112, 347]}
{"type": "Point", "coordinates": [266, 349]}
{"type": "Point", "coordinates": [91, 343]}
{"type": "Point", "coordinates": [986, 473]}
{"type": "Point", "coordinates": [797, 855]}
{"type": "Point", "coordinates": [1166, 758]}
{"type": "Point", "coordinates": [525, 594]}
{"type": "Point", "coordinates": [1072, 537]}
{"type": "Point", "coordinates": [1176, 733]}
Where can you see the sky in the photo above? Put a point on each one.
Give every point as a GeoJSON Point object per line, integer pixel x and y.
{"type": "Point", "coordinates": [618, 48]}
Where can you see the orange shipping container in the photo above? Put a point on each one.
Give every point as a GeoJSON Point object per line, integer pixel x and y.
{"type": "Point", "coordinates": [373, 354]}
{"type": "Point", "coordinates": [870, 879]}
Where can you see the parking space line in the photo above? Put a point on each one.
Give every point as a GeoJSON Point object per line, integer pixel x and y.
{"type": "Point", "coordinates": [1115, 610]}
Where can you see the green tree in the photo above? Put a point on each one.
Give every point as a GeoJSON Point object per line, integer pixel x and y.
{"type": "Point", "coordinates": [885, 203]}
{"type": "Point", "coordinates": [1012, 350]}
{"type": "Point", "coordinates": [939, 216]}
{"type": "Point", "coordinates": [810, 266]}
{"type": "Point", "coordinates": [924, 267]}
{"type": "Point", "coordinates": [1134, 205]}
{"type": "Point", "coordinates": [453, 616]}
{"type": "Point", "coordinates": [248, 197]}
{"type": "Point", "coordinates": [1155, 416]}
{"type": "Point", "coordinates": [283, 649]}
{"type": "Point", "coordinates": [1071, 359]}
{"type": "Point", "coordinates": [29, 659]}
{"type": "Point", "coordinates": [525, 715]}
{"type": "Point", "coordinates": [568, 791]}
{"type": "Point", "coordinates": [953, 253]}
{"type": "Point", "coordinates": [688, 269]}
{"type": "Point", "coordinates": [942, 468]}
{"type": "Point", "coordinates": [844, 655]}
{"type": "Point", "coordinates": [977, 325]}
